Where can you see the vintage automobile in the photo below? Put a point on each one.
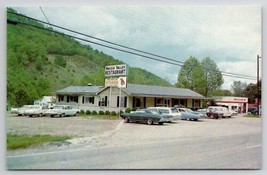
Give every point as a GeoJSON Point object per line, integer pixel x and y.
{"type": "Point", "coordinates": [62, 111]}
{"type": "Point", "coordinates": [167, 110]}
{"type": "Point", "coordinates": [188, 114]}
{"type": "Point", "coordinates": [219, 109]}
{"type": "Point", "coordinates": [23, 110]}
{"type": "Point", "coordinates": [36, 110]}
{"type": "Point", "coordinates": [146, 116]}
{"type": "Point", "coordinates": [212, 114]}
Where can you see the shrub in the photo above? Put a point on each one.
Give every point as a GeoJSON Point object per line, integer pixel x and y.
{"type": "Point", "coordinates": [128, 110]}
{"type": "Point", "coordinates": [107, 113]}
{"type": "Point", "coordinates": [88, 112]}
{"type": "Point", "coordinates": [94, 113]}
{"type": "Point", "coordinates": [101, 113]}
{"type": "Point", "coordinates": [113, 113]}
{"type": "Point", "coordinates": [82, 112]}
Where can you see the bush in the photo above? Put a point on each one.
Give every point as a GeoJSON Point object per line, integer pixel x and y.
{"type": "Point", "coordinates": [94, 113]}
{"type": "Point", "coordinates": [88, 112]}
{"type": "Point", "coordinates": [128, 110]}
{"type": "Point", "coordinates": [113, 113]}
{"type": "Point", "coordinates": [101, 113]}
{"type": "Point", "coordinates": [107, 113]}
{"type": "Point", "coordinates": [82, 112]}
{"type": "Point", "coordinates": [60, 61]}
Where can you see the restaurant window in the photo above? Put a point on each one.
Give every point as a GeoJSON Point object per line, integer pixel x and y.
{"type": "Point", "coordinates": [123, 101]}
{"type": "Point", "coordinates": [90, 100]}
{"type": "Point", "coordinates": [103, 101]}
{"type": "Point", "coordinates": [183, 102]}
{"type": "Point", "coordinates": [60, 98]}
{"type": "Point", "coordinates": [72, 99]}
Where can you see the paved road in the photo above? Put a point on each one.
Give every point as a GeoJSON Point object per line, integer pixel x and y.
{"type": "Point", "coordinates": [230, 144]}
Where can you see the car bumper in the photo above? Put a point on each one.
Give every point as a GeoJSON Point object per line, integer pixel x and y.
{"type": "Point", "coordinates": [166, 120]}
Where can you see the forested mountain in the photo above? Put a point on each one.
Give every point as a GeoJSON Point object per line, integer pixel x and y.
{"type": "Point", "coordinates": [41, 62]}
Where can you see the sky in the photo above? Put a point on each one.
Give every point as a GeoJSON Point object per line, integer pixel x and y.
{"type": "Point", "coordinates": [229, 35]}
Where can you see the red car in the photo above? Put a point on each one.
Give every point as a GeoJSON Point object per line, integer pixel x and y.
{"type": "Point", "coordinates": [211, 113]}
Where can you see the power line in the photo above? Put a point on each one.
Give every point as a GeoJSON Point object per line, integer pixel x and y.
{"type": "Point", "coordinates": [44, 15]}
{"type": "Point", "coordinates": [170, 61]}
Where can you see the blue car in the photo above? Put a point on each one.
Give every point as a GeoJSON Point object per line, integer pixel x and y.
{"type": "Point", "coordinates": [188, 114]}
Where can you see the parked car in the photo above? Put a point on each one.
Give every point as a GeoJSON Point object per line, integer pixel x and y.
{"type": "Point", "coordinates": [233, 112]}
{"type": "Point", "coordinates": [14, 110]}
{"type": "Point", "coordinates": [220, 109]}
{"type": "Point", "coordinates": [62, 111]}
{"type": "Point", "coordinates": [188, 114]}
{"type": "Point", "coordinates": [23, 110]}
{"type": "Point", "coordinates": [167, 110]}
{"type": "Point", "coordinates": [146, 116]}
{"type": "Point", "coordinates": [36, 110]}
{"type": "Point", "coordinates": [256, 111]}
{"type": "Point", "coordinates": [210, 113]}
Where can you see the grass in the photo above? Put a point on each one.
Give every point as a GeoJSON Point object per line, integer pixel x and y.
{"type": "Point", "coordinates": [252, 116]}
{"type": "Point", "coordinates": [24, 141]}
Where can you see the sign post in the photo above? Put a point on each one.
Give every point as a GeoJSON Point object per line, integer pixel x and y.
{"type": "Point", "coordinates": [112, 71]}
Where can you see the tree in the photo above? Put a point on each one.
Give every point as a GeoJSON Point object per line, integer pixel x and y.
{"type": "Point", "coordinates": [251, 92]}
{"type": "Point", "coordinates": [214, 78]}
{"type": "Point", "coordinates": [238, 88]}
{"type": "Point", "coordinates": [191, 76]}
{"type": "Point", "coordinates": [220, 92]}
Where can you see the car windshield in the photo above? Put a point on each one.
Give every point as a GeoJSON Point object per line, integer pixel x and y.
{"type": "Point", "coordinates": [153, 111]}
{"type": "Point", "coordinates": [164, 111]}
{"type": "Point", "coordinates": [174, 110]}
{"type": "Point", "coordinates": [189, 110]}
{"type": "Point", "coordinates": [140, 111]}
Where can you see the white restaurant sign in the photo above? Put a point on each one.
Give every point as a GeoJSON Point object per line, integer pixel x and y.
{"type": "Point", "coordinates": [116, 70]}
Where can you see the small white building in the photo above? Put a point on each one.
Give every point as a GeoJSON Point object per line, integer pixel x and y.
{"type": "Point", "coordinates": [48, 101]}
{"type": "Point", "coordinates": [239, 104]}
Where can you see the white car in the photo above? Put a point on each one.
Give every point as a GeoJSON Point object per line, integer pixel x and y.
{"type": "Point", "coordinates": [233, 112]}
{"type": "Point", "coordinates": [220, 109]}
{"type": "Point", "coordinates": [62, 111]}
{"type": "Point", "coordinates": [167, 110]}
{"type": "Point", "coordinates": [23, 110]}
{"type": "Point", "coordinates": [36, 110]}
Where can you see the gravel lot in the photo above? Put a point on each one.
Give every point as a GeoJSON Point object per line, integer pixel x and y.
{"type": "Point", "coordinates": [67, 126]}
{"type": "Point", "coordinates": [84, 130]}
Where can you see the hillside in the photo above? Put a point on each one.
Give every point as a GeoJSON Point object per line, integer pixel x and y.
{"type": "Point", "coordinates": [41, 62]}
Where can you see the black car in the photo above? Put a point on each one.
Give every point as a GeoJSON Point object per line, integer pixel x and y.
{"type": "Point", "coordinates": [146, 116]}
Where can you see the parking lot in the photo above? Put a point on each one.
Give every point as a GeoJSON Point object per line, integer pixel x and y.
{"type": "Point", "coordinates": [115, 131]}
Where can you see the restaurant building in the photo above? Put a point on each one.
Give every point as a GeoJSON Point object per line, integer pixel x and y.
{"type": "Point", "coordinates": [134, 96]}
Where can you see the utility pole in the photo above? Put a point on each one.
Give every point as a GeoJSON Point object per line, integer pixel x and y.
{"type": "Point", "coordinates": [258, 83]}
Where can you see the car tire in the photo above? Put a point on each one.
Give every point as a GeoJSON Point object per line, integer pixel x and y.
{"type": "Point", "coordinates": [40, 115]}
{"type": "Point", "coordinates": [76, 114]}
{"type": "Point", "coordinates": [150, 121]}
{"type": "Point", "coordinates": [62, 115]}
{"type": "Point", "coordinates": [211, 116]}
{"type": "Point", "coordinates": [126, 120]}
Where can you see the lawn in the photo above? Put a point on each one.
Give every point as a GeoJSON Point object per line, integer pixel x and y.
{"type": "Point", "coordinates": [252, 116]}
{"type": "Point", "coordinates": [24, 141]}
